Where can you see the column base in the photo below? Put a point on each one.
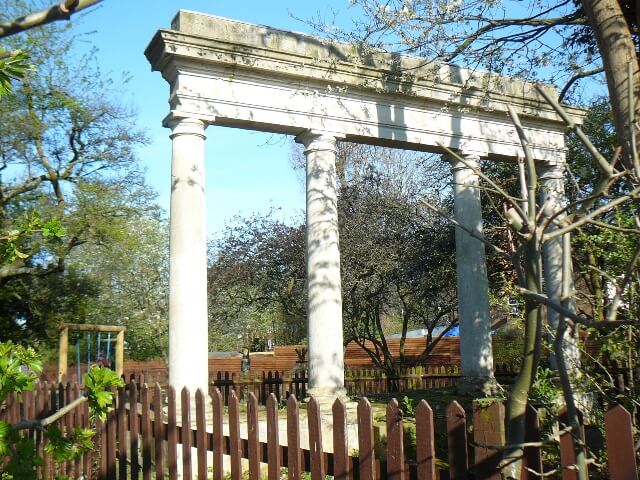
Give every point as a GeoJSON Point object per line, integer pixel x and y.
{"type": "Point", "coordinates": [477, 387]}
{"type": "Point", "coordinates": [326, 396]}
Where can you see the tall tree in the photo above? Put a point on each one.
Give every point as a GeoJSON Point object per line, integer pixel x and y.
{"type": "Point", "coordinates": [257, 282]}
{"type": "Point", "coordinates": [397, 260]}
{"type": "Point", "coordinates": [66, 156]}
{"type": "Point", "coordinates": [130, 277]}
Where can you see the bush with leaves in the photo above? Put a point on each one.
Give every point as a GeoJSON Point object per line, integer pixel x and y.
{"type": "Point", "coordinates": [19, 369]}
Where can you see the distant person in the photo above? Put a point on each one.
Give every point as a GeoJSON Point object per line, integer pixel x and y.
{"type": "Point", "coordinates": [245, 364]}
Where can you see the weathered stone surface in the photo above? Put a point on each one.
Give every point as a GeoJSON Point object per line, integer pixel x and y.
{"type": "Point", "coordinates": [232, 73]}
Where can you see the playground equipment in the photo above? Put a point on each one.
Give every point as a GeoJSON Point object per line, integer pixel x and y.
{"type": "Point", "coordinates": [88, 330]}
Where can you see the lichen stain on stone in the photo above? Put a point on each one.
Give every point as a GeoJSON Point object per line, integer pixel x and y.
{"type": "Point", "coordinates": [274, 40]}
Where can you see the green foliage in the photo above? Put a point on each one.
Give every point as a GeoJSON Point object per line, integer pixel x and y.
{"type": "Point", "coordinates": [73, 200]}
{"type": "Point", "coordinates": [63, 448]}
{"type": "Point", "coordinates": [508, 343]}
{"type": "Point", "coordinates": [544, 391]}
{"type": "Point", "coordinates": [99, 381]}
{"type": "Point", "coordinates": [5, 431]}
{"type": "Point", "coordinates": [13, 66]}
{"type": "Point", "coordinates": [256, 283]}
{"type": "Point", "coordinates": [407, 407]}
{"type": "Point", "coordinates": [13, 242]}
{"type": "Point", "coordinates": [617, 344]}
{"type": "Point", "coordinates": [24, 458]}
{"type": "Point", "coordinates": [18, 367]}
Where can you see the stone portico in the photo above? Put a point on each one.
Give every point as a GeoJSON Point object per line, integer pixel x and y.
{"type": "Point", "coordinates": [234, 74]}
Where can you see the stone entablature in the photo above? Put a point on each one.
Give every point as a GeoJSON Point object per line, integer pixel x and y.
{"type": "Point", "coordinates": [232, 73]}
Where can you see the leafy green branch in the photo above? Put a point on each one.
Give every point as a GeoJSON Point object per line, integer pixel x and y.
{"type": "Point", "coordinates": [19, 369]}
{"type": "Point", "coordinates": [14, 65]}
{"type": "Point", "coordinates": [11, 248]}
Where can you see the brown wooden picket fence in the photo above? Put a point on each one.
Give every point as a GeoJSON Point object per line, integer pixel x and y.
{"type": "Point", "coordinates": [357, 381]}
{"type": "Point", "coordinates": [137, 442]}
{"type": "Point", "coordinates": [43, 401]}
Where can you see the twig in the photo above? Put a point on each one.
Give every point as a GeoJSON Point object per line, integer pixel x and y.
{"type": "Point", "coordinates": [543, 299]}
{"type": "Point", "coordinates": [523, 181]}
{"type": "Point", "coordinates": [632, 110]}
{"type": "Point", "coordinates": [612, 314]}
{"type": "Point", "coordinates": [45, 422]}
{"type": "Point", "coordinates": [630, 231]}
{"type": "Point", "coordinates": [587, 218]}
{"type": "Point", "coordinates": [472, 233]}
{"type": "Point", "coordinates": [58, 12]}
{"type": "Point", "coordinates": [603, 165]}
{"type": "Point", "coordinates": [575, 78]}
{"type": "Point", "coordinates": [606, 275]}
{"type": "Point", "coordinates": [528, 157]}
{"type": "Point", "coordinates": [563, 368]}
{"type": "Point", "coordinates": [477, 171]}
{"type": "Point", "coordinates": [553, 439]}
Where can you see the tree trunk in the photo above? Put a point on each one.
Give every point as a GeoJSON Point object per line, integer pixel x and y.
{"type": "Point", "coordinates": [597, 288]}
{"type": "Point", "coordinates": [618, 51]}
{"type": "Point", "coordinates": [512, 461]}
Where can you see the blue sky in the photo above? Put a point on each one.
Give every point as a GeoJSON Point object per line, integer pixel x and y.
{"type": "Point", "coordinates": [246, 171]}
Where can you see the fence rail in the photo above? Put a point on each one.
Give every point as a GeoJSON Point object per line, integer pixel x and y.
{"type": "Point", "coordinates": [149, 427]}
{"type": "Point", "coordinates": [358, 381]}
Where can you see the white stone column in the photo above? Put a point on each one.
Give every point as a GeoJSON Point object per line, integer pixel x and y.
{"type": "Point", "coordinates": [325, 353]}
{"type": "Point", "coordinates": [473, 288]}
{"type": "Point", "coordinates": [552, 199]}
{"type": "Point", "coordinates": [188, 325]}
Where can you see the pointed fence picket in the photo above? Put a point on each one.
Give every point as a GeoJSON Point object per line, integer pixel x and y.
{"type": "Point", "coordinates": [340, 441]}
{"type": "Point", "coordinates": [425, 442]}
{"type": "Point", "coordinates": [457, 442]}
{"type": "Point", "coordinates": [253, 435]}
{"type": "Point", "coordinates": [273, 439]}
{"type": "Point", "coordinates": [218, 450]}
{"type": "Point", "coordinates": [488, 436]}
{"type": "Point", "coordinates": [395, 442]}
{"type": "Point", "coordinates": [620, 445]}
{"type": "Point", "coordinates": [294, 458]}
{"type": "Point", "coordinates": [201, 436]}
{"type": "Point", "coordinates": [235, 442]}
{"type": "Point", "coordinates": [367, 458]}
{"type": "Point", "coordinates": [185, 435]}
{"type": "Point", "coordinates": [172, 434]}
{"type": "Point", "coordinates": [147, 426]}
{"type": "Point", "coordinates": [134, 425]}
{"type": "Point", "coordinates": [315, 440]}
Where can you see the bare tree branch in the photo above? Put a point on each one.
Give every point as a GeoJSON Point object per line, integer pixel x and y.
{"type": "Point", "coordinates": [45, 422]}
{"type": "Point", "coordinates": [477, 171]}
{"type": "Point", "coordinates": [575, 78]}
{"type": "Point", "coordinates": [620, 288]}
{"type": "Point", "coordinates": [472, 233]}
{"type": "Point", "coordinates": [543, 299]}
{"type": "Point", "coordinates": [593, 214]}
{"type": "Point", "coordinates": [62, 11]}
{"type": "Point", "coordinates": [602, 162]}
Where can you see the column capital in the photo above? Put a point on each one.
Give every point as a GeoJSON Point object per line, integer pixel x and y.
{"type": "Point", "coordinates": [185, 126]}
{"type": "Point", "coordinates": [318, 140]}
{"type": "Point", "coordinates": [551, 171]}
{"type": "Point", "coordinates": [471, 161]}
